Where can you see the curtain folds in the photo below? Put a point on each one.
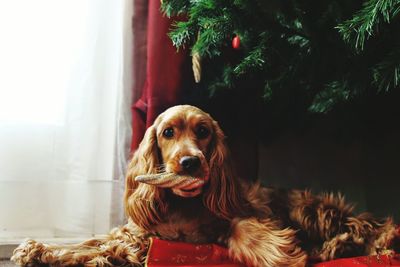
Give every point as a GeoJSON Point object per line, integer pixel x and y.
{"type": "Point", "coordinates": [161, 85]}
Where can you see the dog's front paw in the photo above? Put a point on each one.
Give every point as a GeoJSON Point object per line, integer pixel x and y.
{"type": "Point", "coordinates": [28, 253]}
{"type": "Point", "coordinates": [341, 246]}
{"type": "Point", "coordinates": [260, 243]}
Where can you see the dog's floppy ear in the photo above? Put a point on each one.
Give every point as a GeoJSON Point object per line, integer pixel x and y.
{"type": "Point", "coordinates": [145, 159]}
{"type": "Point", "coordinates": [224, 196]}
{"type": "Point", "coordinates": [142, 201]}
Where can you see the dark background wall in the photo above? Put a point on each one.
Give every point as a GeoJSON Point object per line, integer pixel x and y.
{"type": "Point", "coordinates": [355, 149]}
{"type": "Point", "coordinates": [366, 171]}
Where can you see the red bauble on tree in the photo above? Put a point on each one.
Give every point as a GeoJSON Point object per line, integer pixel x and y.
{"type": "Point", "coordinates": [236, 42]}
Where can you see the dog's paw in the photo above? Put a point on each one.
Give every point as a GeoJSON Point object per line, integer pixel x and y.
{"type": "Point", "coordinates": [28, 253]}
{"type": "Point", "coordinates": [341, 246]}
{"type": "Point", "coordinates": [260, 243]}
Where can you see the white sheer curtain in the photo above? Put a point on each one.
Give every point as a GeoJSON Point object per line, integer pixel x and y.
{"type": "Point", "coordinates": [64, 116]}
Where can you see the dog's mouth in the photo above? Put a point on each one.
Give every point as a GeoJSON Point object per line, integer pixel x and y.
{"type": "Point", "coordinates": [191, 190]}
{"type": "Point", "coordinates": [181, 185]}
{"type": "Point", "coordinates": [187, 193]}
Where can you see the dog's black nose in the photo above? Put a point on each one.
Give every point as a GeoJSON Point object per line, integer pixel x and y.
{"type": "Point", "coordinates": [189, 163]}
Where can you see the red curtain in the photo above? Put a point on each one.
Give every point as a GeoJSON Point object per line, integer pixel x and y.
{"type": "Point", "coordinates": [161, 82]}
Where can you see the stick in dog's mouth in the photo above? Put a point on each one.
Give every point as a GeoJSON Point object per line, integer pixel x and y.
{"type": "Point", "coordinates": [182, 185]}
{"type": "Point", "coordinates": [171, 180]}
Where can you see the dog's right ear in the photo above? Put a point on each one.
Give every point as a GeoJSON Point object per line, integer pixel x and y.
{"type": "Point", "coordinates": [143, 202]}
{"type": "Point", "coordinates": [145, 161]}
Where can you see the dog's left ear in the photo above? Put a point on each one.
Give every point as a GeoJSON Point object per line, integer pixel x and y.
{"type": "Point", "coordinates": [224, 197]}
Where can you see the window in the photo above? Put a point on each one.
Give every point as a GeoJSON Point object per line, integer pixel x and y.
{"type": "Point", "coordinates": [64, 116]}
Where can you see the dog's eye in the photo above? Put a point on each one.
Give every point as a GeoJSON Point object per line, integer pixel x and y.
{"type": "Point", "coordinates": [168, 133]}
{"type": "Point", "coordinates": [202, 132]}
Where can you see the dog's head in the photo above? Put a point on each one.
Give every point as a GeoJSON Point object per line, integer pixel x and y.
{"type": "Point", "coordinates": [185, 135]}
{"type": "Point", "coordinates": [186, 141]}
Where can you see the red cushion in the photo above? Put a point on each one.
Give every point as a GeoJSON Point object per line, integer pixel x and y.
{"type": "Point", "coordinates": [166, 253]}
{"type": "Point", "coordinates": [366, 261]}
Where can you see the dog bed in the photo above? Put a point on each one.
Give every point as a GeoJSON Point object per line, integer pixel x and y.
{"type": "Point", "coordinates": [168, 254]}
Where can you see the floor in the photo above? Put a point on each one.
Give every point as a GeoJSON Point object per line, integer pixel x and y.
{"type": "Point", "coordinates": [5, 254]}
{"type": "Point", "coordinates": [4, 263]}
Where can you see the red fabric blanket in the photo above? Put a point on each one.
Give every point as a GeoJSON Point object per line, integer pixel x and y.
{"type": "Point", "coordinates": [167, 254]}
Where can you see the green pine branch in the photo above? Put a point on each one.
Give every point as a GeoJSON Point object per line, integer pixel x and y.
{"type": "Point", "coordinates": [174, 7]}
{"type": "Point", "coordinates": [181, 33]}
{"type": "Point", "coordinates": [386, 74]}
{"type": "Point", "coordinates": [212, 35]}
{"type": "Point", "coordinates": [335, 92]}
{"type": "Point", "coordinates": [291, 49]}
{"type": "Point", "coordinates": [366, 21]}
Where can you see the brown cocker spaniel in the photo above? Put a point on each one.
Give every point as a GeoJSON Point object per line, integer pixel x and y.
{"type": "Point", "coordinates": [260, 226]}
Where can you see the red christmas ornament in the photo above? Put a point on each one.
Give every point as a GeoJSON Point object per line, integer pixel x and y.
{"type": "Point", "coordinates": [236, 42]}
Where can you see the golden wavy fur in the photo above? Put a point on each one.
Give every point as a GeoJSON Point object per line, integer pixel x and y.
{"type": "Point", "coordinates": [260, 226]}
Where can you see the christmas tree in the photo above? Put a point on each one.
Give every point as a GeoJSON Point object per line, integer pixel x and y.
{"type": "Point", "coordinates": [320, 52]}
